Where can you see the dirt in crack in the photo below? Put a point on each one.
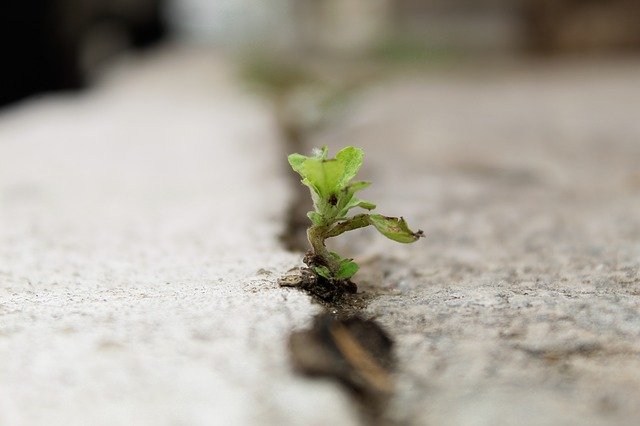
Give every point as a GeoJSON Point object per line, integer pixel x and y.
{"type": "Point", "coordinates": [343, 345]}
{"type": "Point", "coordinates": [353, 350]}
{"type": "Point", "coordinates": [339, 297]}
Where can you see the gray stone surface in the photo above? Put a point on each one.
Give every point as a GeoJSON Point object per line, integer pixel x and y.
{"type": "Point", "coordinates": [138, 257]}
{"type": "Point", "coordinates": [522, 306]}
{"type": "Point", "coordinates": [138, 250]}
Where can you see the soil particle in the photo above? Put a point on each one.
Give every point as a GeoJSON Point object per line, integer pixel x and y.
{"type": "Point", "coordinates": [328, 292]}
{"type": "Point", "coordinates": [342, 345]}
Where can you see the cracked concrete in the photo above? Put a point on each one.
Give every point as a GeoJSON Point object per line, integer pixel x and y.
{"type": "Point", "coordinates": [522, 306]}
{"type": "Point", "coordinates": [139, 254]}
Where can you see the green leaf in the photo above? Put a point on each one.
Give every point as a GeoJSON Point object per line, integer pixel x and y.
{"type": "Point", "coordinates": [323, 271]}
{"type": "Point", "coordinates": [394, 228]}
{"type": "Point", "coordinates": [366, 205]}
{"type": "Point", "coordinates": [296, 161]}
{"type": "Point", "coordinates": [354, 187]}
{"type": "Point", "coordinates": [327, 177]}
{"type": "Point", "coordinates": [349, 201]}
{"type": "Point", "coordinates": [352, 159]}
{"type": "Point", "coordinates": [355, 202]}
{"type": "Point", "coordinates": [315, 218]}
{"type": "Point", "coordinates": [323, 175]}
{"type": "Point", "coordinates": [336, 256]}
{"type": "Point", "coordinates": [347, 269]}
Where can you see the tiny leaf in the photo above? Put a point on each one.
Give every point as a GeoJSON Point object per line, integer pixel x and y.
{"type": "Point", "coordinates": [316, 218]}
{"type": "Point", "coordinates": [323, 175]}
{"type": "Point", "coordinates": [355, 202]}
{"type": "Point", "coordinates": [336, 256]}
{"type": "Point", "coordinates": [352, 159]}
{"type": "Point", "coordinates": [354, 187]}
{"type": "Point", "coordinates": [323, 271]}
{"type": "Point", "coordinates": [394, 228]}
{"type": "Point", "coordinates": [366, 205]}
{"type": "Point", "coordinates": [296, 161]}
{"type": "Point", "coordinates": [349, 201]}
{"type": "Point", "coordinates": [347, 269]}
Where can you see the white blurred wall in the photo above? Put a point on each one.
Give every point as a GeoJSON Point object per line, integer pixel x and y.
{"type": "Point", "coordinates": [348, 25]}
{"type": "Point", "coordinates": [325, 24]}
{"type": "Point", "coordinates": [234, 23]}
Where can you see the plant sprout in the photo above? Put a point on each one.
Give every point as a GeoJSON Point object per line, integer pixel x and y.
{"type": "Point", "coordinates": [334, 195]}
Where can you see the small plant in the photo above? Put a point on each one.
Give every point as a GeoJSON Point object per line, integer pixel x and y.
{"type": "Point", "coordinates": [334, 195]}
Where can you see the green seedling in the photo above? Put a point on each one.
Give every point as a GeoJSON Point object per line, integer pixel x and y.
{"type": "Point", "coordinates": [334, 195]}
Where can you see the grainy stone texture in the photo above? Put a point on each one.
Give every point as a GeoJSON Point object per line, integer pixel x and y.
{"type": "Point", "coordinates": [522, 306]}
{"type": "Point", "coordinates": [139, 258]}
{"type": "Point", "coordinates": [138, 250]}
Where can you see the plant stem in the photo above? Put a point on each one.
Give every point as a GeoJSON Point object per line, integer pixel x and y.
{"type": "Point", "coordinates": [317, 236]}
{"type": "Point", "coordinates": [358, 221]}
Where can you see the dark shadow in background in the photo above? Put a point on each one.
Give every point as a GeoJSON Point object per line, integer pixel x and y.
{"type": "Point", "coordinates": [44, 43]}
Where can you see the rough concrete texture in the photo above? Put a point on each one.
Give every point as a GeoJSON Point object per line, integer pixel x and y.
{"type": "Point", "coordinates": [138, 257]}
{"type": "Point", "coordinates": [138, 250]}
{"type": "Point", "coordinates": [522, 306]}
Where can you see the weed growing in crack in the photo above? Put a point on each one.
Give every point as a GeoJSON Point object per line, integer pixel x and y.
{"type": "Point", "coordinates": [334, 195]}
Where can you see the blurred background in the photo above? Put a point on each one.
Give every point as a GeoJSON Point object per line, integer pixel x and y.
{"type": "Point", "coordinates": [64, 44]}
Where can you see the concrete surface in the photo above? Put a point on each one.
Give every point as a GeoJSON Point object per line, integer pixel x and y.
{"type": "Point", "coordinates": [138, 250]}
{"type": "Point", "coordinates": [138, 257]}
{"type": "Point", "coordinates": [522, 306]}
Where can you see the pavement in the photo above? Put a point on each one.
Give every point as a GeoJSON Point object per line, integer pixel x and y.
{"type": "Point", "coordinates": [522, 305]}
{"type": "Point", "coordinates": [139, 257]}
{"type": "Point", "coordinates": [139, 251]}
